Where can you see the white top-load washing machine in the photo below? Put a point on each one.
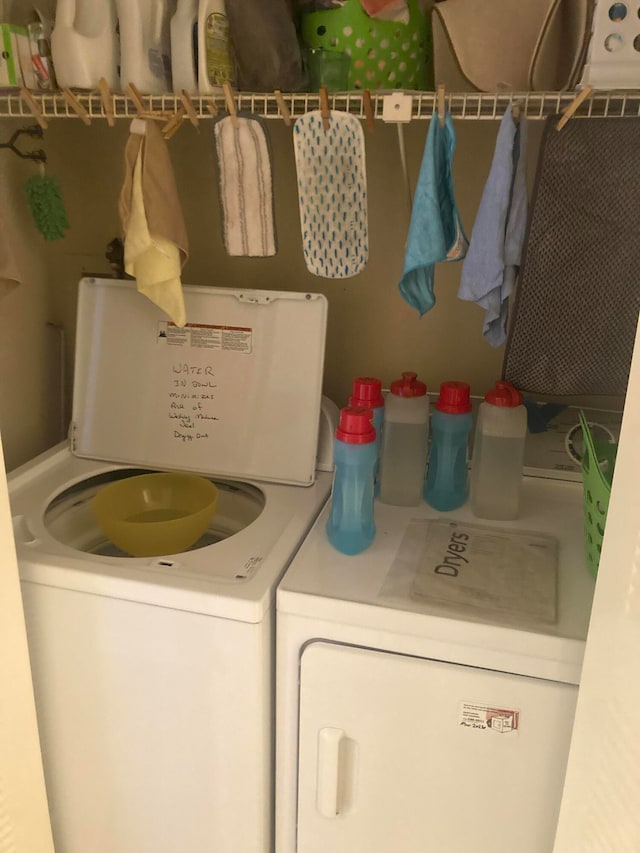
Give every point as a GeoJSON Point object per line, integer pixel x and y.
{"type": "Point", "coordinates": [426, 687]}
{"type": "Point", "coordinates": [153, 676]}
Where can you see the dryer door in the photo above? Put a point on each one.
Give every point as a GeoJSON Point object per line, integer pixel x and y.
{"type": "Point", "coordinates": [408, 754]}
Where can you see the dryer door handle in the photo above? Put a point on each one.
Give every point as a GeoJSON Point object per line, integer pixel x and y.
{"type": "Point", "coordinates": [328, 781]}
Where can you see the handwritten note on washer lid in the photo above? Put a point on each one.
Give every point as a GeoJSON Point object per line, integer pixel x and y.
{"type": "Point", "coordinates": [235, 393]}
{"type": "Point", "coordinates": [489, 570]}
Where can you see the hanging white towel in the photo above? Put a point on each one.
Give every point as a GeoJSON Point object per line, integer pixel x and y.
{"type": "Point", "coordinates": [246, 187]}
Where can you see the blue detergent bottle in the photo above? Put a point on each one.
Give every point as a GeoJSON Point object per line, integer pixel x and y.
{"type": "Point", "coordinates": [367, 394]}
{"type": "Point", "coordinates": [447, 483]}
{"type": "Point", "coordinates": [350, 527]}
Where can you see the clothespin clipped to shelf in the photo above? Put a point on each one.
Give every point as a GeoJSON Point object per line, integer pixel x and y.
{"type": "Point", "coordinates": [212, 107]}
{"type": "Point", "coordinates": [190, 110]}
{"type": "Point", "coordinates": [134, 95]}
{"type": "Point", "coordinates": [368, 110]}
{"type": "Point", "coordinates": [573, 106]}
{"type": "Point", "coordinates": [324, 108]}
{"type": "Point", "coordinates": [284, 109]}
{"type": "Point", "coordinates": [76, 106]}
{"type": "Point", "coordinates": [230, 101]}
{"type": "Point", "coordinates": [107, 101]}
{"type": "Point", "coordinates": [440, 104]}
{"type": "Point", "coordinates": [174, 123]}
{"type": "Point", "coordinates": [35, 110]}
{"type": "Point", "coordinates": [516, 111]}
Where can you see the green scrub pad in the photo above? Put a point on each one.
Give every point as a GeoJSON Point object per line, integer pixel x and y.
{"type": "Point", "coordinates": [46, 206]}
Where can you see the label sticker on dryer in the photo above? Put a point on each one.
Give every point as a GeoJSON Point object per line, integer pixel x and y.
{"type": "Point", "coordinates": [204, 336]}
{"type": "Point", "coordinates": [488, 718]}
{"type": "Point", "coordinates": [249, 569]}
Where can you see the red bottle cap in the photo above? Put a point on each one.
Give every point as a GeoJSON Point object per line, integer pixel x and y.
{"type": "Point", "coordinates": [408, 386]}
{"type": "Point", "coordinates": [454, 398]}
{"type": "Point", "coordinates": [367, 393]}
{"type": "Point", "coordinates": [504, 394]}
{"type": "Point", "coordinates": [356, 426]}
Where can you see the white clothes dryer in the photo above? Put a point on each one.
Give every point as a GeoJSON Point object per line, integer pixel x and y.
{"type": "Point", "coordinates": [409, 722]}
{"type": "Point", "coordinates": [153, 676]}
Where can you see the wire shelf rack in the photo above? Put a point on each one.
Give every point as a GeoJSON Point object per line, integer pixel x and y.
{"type": "Point", "coordinates": [465, 105]}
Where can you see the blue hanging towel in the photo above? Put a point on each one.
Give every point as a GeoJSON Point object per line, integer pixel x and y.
{"type": "Point", "coordinates": [490, 268]}
{"type": "Point", "coordinates": [436, 232]}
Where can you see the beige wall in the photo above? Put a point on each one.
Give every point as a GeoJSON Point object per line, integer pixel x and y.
{"type": "Point", "coordinates": [371, 329]}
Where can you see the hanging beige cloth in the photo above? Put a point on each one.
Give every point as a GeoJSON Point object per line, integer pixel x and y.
{"type": "Point", "coordinates": [493, 45]}
{"type": "Point", "coordinates": [9, 275]}
{"type": "Point", "coordinates": [155, 237]}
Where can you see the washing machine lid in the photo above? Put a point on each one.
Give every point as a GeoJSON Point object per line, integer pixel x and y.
{"type": "Point", "coordinates": [237, 392]}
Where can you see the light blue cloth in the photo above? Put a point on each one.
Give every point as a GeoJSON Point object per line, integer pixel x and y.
{"type": "Point", "coordinates": [435, 232]}
{"type": "Point", "coordinates": [492, 263]}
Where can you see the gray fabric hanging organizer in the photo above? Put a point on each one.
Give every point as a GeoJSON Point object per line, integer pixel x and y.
{"type": "Point", "coordinates": [578, 296]}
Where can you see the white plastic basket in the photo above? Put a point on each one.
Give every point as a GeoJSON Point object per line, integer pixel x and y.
{"type": "Point", "coordinates": [613, 60]}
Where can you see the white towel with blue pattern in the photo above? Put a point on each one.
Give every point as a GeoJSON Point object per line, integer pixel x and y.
{"type": "Point", "coordinates": [332, 192]}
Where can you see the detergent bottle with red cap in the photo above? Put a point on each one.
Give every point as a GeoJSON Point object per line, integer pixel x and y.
{"type": "Point", "coordinates": [367, 394]}
{"type": "Point", "coordinates": [404, 442]}
{"type": "Point", "coordinates": [350, 526]}
{"type": "Point", "coordinates": [447, 484]}
{"type": "Point", "coordinates": [498, 454]}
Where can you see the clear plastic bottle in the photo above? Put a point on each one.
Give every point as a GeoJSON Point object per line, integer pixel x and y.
{"type": "Point", "coordinates": [498, 454]}
{"type": "Point", "coordinates": [184, 47]}
{"type": "Point", "coordinates": [367, 394]}
{"type": "Point", "coordinates": [350, 527]}
{"type": "Point", "coordinates": [404, 442]}
{"type": "Point", "coordinates": [447, 483]}
{"type": "Point", "coordinates": [145, 44]}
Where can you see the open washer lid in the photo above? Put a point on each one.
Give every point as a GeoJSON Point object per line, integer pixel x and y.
{"type": "Point", "coordinates": [237, 392]}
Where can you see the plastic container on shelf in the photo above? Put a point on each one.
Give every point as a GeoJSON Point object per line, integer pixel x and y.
{"type": "Point", "coordinates": [404, 442]}
{"type": "Point", "coordinates": [184, 47]}
{"type": "Point", "coordinates": [350, 526]}
{"type": "Point", "coordinates": [84, 43]}
{"type": "Point", "coordinates": [498, 454]}
{"type": "Point", "coordinates": [215, 57]}
{"type": "Point", "coordinates": [447, 484]}
{"type": "Point", "coordinates": [145, 44]}
{"type": "Point", "coordinates": [367, 394]}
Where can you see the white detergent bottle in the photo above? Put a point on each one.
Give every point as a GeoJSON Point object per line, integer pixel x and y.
{"type": "Point", "coordinates": [184, 47]}
{"type": "Point", "coordinates": [84, 43]}
{"type": "Point", "coordinates": [145, 44]}
{"type": "Point", "coordinates": [215, 57]}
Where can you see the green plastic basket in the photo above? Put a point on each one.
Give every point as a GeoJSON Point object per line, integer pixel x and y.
{"type": "Point", "coordinates": [598, 462]}
{"type": "Point", "coordinates": [384, 54]}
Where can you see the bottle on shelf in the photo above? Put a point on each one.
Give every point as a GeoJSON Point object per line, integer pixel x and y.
{"type": "Point", "coordinates": [447, 484]}
{"type": "Point", "coordinates": [367, 394]}
{"type": "Point", "coordinates": [404, 442]}
{"type": "Point", "coordinates": [184, 47]}
{"type": "Point", "coordinates": [350, 527]}
{"type": "Point", "coordinates": [145, 44]}
{"type": "Point", "coordinates": [215, 58]}
{"type": "Point", "coordinates": [84, 43]}
{"type": "Point", "coordinates": [498, 454]}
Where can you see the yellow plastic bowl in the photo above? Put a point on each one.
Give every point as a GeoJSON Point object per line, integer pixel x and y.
{"type": "Point", "coordinates": [154, 514]}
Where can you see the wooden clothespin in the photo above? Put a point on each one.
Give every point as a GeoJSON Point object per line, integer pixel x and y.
{"type": "Point", "coordinates": [230, 102]}
{"type": "Point", "coordinates": [107, 101]}
{"type": "Point", "coordinates": [174, 123]}
{"type": "Point", "coordinates": [573, 106]}
{"type": "Point", "coordinates": [324, 108]}
{"type": "Point", "coordinates": [75, 105]}
{"type": "Point", "coordinates": [368, 110]}
{"type": "Point", "coordinates": [440, 104]}
{"type": "Point", "coordinates": [212, 107]}
{"type": "Point", "coordinates": [516, 111]}
{"type": "Point", "coordinates": [284, 109]}
{"type": "Point", "coordinates": [35, 110]}
{"type": "Point", "coordinates": [190, 110]}
{"type": "Point", "coordinates": [134, 95]}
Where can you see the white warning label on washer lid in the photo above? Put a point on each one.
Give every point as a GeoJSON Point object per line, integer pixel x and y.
{"type": "Point", "coordinates": [203, 336]}
{"type": "Point", "coordinates": [488, 718]}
